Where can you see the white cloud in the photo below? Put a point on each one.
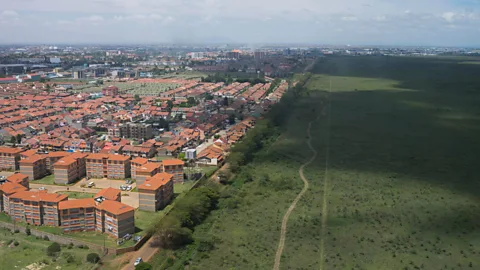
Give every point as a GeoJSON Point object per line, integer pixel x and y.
{"type": "Point", "coordinates": [362, 21]}
{"type": "Point", "coordinates": [8, 13]}
{"type": "Point", "coordinates": [448, 16]}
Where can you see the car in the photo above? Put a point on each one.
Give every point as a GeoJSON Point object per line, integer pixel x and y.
{"type": "Point", "coordinates": [41, 188]}
{"type": "Point", "coordinates": [123, 188]}
{"type": "Point", "coordinates": [128, 182]}
{"type": "Point", "coordinates": [137, 261]}
{"type": "Point", "coordinates": [127, 236]}
{"type": "Point", "coordinates": [91, 184]}
{"type": "Point", "coordinates": [137, 238]}
{"type": "Point", "coordinates": [129, 188]}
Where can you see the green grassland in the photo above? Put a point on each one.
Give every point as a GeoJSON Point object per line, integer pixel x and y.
{"type": "Point", "coordinates": [77, 195]}
{"type": "Point", "coordinates": [32, 250]}
{"type": "Point", "coordinates": [398, 144]}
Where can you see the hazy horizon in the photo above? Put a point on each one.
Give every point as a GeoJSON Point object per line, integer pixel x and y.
{"type": "Point", "coordinates": [355, 22]}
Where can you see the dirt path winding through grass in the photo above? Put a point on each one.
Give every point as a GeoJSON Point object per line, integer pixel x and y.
{"type": "Point", "coordinates": [283, 230]}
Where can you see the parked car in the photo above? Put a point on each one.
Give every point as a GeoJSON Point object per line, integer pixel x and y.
{"type": "Point", "coordinates": [137, 238]}
{"type": "Point", "coordinates": [123, 188]}
{"type": "Point", "coordinates": [128, 182]}
{"type": "Point", "coordinates": [127, 236]}
{"type": "Point", "coordinates": [91, 184]}
{"type": "Point", "coordinates": [137, 261]}
{"type": "Point", "coordinates": [129, 188]}
{"type": "Point", "coordinates": [41, 188]}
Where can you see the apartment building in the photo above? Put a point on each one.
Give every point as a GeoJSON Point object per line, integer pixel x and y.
{"type": "Point", "coordinates": [77, 215]}
{"type": "Point", "coordinates": [35, 166]}
{"type": "Point", "coordinates": [175, 167]}
{"type": "Point", "coordinates": [136, 163]}
{"type": "Point", "coordinates": [53, 157]}
{"type": "Point", "coordinates": [156, 192]}
{"type": "Point", "coordinates": [135, 130]}
{"type": "Point", "coordinates": [114, 218]}
{"type": "Point", "coordinates": [70, 168]}
{"type": "Point", "coordinates": [110, 91]}
{"type": "Point", "coordinates": [19, 178]}
{"type": "Point", "coordinates": [6, 190]}
{"type": "Point", "coordinates": [9, 158]}
{"type": "Point", "coordinates": [146, 171]}
{"type": "Point", "coordinates": [108, 166]}
{"type": "Point", "coordinates": [110, 193]}
{"type": "Point", "coordinates": [36, 207]}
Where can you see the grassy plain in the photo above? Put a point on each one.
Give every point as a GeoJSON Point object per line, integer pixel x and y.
{"type": "Point", "coordinates": [77, 195]}
{"type": "Point", "coordinates": [47, 180]}
{"type": "Point", "coordinates": [399, 151]}
{"type": "Point", "coordinates": [32, 250]}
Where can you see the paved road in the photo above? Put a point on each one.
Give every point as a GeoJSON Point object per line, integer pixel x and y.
{"type": "Point", "coordinates": [146, 252]}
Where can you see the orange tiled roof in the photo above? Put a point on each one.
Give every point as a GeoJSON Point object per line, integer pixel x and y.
{"type": "Point", "coordinates": [156, 181]}
{"type": "Point", "coordinates": [81, 203]}
{"type": "Point", "coordinates": [149, 167]}
{"type": "Point", "coordinates": [30, 152]}
{"type": "Point", "coordinates": [39, 196]}
{"type": "Point", "coordinates": [10, 188]}
{"type": "Point", "coordinates": [10, 150]}
{"type": "Point", "coordinates": [16, 178]}
{"type": "Point", "coordinates": [170, 162]}
{"type": "Point", "coordinates": [109, 193]}
{"type": "Point", "coordinates": [139, 160]}
{"type": "Point", "coordinates": [114, 207]}
{"type": "Point", "coordinates": [32, 159]}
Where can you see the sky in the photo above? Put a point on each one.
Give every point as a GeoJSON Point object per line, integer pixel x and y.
{"type": "Point", "coordinates": [333, 22]}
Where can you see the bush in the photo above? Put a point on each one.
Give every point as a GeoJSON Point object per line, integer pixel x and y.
{"type": "Point", "coordinates": [15, 243]}
{"type": "Point", "coordinates": [69, 257]}
{"type": "Point", "coordinates": [143, 266]}
{"type": "Point", "coordinates": [27, 231]}
{"type": "Point", "coordinates": [93, 258]}
{"type": "Point", "coordinates": [9, 242]}
{"type": "Point", "coordinates": [16, 231]}
{"type": "Point", "coordinates": [46, 238]}
{"type": "Point", "coordinates": [53, 249]}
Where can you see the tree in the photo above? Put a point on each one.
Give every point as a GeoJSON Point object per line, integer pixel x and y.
{"type": "Point", "coordinates": [143, 266]}
{"type": "Point", "coordinates": [27, 231]}
{"type": "Point", "coordinates": [93, 258]}
{"type": "Point", "coordinates": [42, 80]}
{"type": "Point", "coordinates": [225, 101]}
{"type": "Point", "coordinates": [137, 97]}
{"type": "Point", "coordinates": [53, 249]}
{"type": "Point", "coordinates": [208, 97]}
{"type": "Point", "coordinates": [13, 140]}
{"type": "Point", "coordinates": [169, 105]}
{"type": "Point", "coordinates": [19, 138]}
{"type": "Point", "coordinates": [192, 101]}
{"type": "Point", "coordinates": [231, 119]}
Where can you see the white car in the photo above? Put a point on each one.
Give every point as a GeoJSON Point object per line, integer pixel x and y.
{"type": "Point", "coordinates": [129, 188]}
{"type": "Point", "coordinates": [137, 261]}
{"type": "Point", "coordinates": [41, 188]}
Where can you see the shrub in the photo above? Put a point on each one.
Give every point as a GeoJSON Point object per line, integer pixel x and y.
{"type": "Point", "coordinates": [45, 261]}
{"type": "Point", "coordinates": [70, 246]}
{"type": "Point", "coordinates": [53, 249]}
{"type": "Point", "coordinates": [27, 231]}
{"type": "Point", "coordinates": [46, 238]}
{"type": "Point", "coordinates": [69, 257]}
{"type": "Point", "coordinates": [16, 231]}
{"type": "Point", "coordinates": [15, 243]}
{"type": "Point", "coordinates": [143, 266]}
{"type": "Point", "coordinates": [93, 258]}
{"type": "Point", "coordinates": [9, 242]}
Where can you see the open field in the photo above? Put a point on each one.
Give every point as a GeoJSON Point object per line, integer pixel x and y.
{"type": "Point", "coordinates": [397, 146]}
{"type": "Point", "coordinates": [77, 195]}
{"type": "Point", "coordinates": [32, 250]}
{"type": "Point", "coordinates": [47, 180]}
{"type": "Point", "coordinates": [129, 87]}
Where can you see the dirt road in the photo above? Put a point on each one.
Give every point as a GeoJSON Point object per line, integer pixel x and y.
{"type": "Point", "coordinates": [283, 230]}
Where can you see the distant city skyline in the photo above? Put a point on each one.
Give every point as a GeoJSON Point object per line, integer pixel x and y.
{"type": "Point", "coordinates": [341, 22]}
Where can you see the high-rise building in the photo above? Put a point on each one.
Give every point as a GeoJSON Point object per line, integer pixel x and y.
{"type": "Point", "coordinates": [136, 130]}
{"type": "Point", "coordinates": [78, 74]}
